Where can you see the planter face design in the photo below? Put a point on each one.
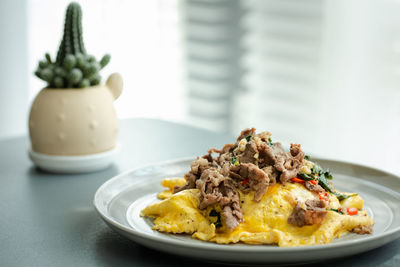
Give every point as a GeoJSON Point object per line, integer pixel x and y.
{"type": "Point", "coordinates": [73, 122]}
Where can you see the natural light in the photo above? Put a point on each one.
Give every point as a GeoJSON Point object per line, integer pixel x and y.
{"type": "Point", "coordinates": [143, 39]}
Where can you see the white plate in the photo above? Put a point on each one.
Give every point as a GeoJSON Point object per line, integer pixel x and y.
{"type": "Point", "coordinates": [120, 200]}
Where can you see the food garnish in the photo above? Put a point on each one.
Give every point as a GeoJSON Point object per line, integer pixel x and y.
{"type": "Point", "coordinates": [352, 211]}
{"type": "Point", "coordinates": [297, 180]}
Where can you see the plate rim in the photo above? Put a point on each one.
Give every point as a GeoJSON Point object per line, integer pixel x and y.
{"type": "Point", "coordinates": [386, 236]}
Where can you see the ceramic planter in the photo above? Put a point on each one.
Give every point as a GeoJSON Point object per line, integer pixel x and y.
{"type": "Point", "coordinates": [75, 130]}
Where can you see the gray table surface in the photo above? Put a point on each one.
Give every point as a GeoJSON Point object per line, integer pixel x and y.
{"type": "Point", "coordinates": [49, 220]}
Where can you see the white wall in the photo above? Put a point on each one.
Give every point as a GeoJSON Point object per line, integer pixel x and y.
{"type": "Point", "coordinates": [14, 91]}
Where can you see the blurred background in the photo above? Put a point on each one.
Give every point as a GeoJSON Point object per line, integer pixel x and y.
{"type": "Point", "coordinates": [323, 73]}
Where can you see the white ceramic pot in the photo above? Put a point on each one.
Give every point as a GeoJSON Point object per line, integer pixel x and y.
{"type": "Point", "coordinates": [69, 124]}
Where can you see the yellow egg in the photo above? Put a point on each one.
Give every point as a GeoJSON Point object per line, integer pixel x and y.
{"type": "Point", "coordinates": [170, 183]}
{"type": "Point", "coordinates": [265, 222]}
{"type": "Point", "coordinates": [354, 201]}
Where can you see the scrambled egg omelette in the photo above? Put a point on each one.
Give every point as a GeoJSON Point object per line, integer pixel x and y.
{"type": "Point", "coordinates": [300, 211]}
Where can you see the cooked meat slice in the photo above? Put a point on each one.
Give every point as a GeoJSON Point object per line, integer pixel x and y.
{"type": "Point", "coordinates": [362, 230]}
{"type": "Point", "coordinates": [314, 213]}
{"type": "Point", "coordinates": [234, 174]}
{"type": "Point", "coordinates": [208, 184]}
{"type": "Point", "coordinates": [231, 217]}
{"type": "Point", "coordinates": [196, 168]}
{"type": "Point", "coordinates": [295, 149]}
{"type": "Point", "coordinates": [249, 153]}
{"type": "Point", "coordinates": [268, 155]}
{"type": "Point", "coordinates": [264, 136]}
{"type": "Point", "coordinates": [271, 173]}
{"type": "Point", "coordinates": [314, 187]}
{"type": "Point", "coordinates": [288, 164]}
{"type": "Point", "coordinates": [315, 204]}
{"type": "Point", "coordinates": [224, 158]}
{"type": "Point", "coordinates": [226, 154]}
{"type": "Point", "coordinates": [209, 157]}
{"type": "Point", "coordinates": [214, 150]}
{"type": "Point", "coordinates": [256, 179]}
{"type": "Point", "coordinates": [245, 133]}
{"type": "Point", "coordinates": [298, 216]}
{"type": "Point", "coordinates": [218, 189]}
{"type": "Point", "coordinates": [291, 164]}
{"type": "Point", "coordinates": [226, 168]}
{"type": "Point", "coordinates": [227, 148]}
{"type": "Point", "coordinates": [199, 165]}
{"type": "Point", "coordinates": [190, 183]}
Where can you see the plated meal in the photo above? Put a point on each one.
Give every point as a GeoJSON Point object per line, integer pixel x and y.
{"type": "Point", "coordinates": [253, 191]}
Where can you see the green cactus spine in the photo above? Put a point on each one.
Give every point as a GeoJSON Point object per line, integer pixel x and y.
{"type": "Point", "coordinates": [72, 41]}
{"type": "Point", "coordinates": [73, 67]}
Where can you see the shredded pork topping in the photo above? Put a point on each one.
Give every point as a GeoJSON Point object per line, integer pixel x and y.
{"type": "Point", "coordinates": [253, 163]}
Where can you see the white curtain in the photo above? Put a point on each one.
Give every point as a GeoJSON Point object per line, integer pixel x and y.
{"type": "Point", "coordinates": [321, 73]}
{"type": "Point", "coordinates": [212, 37]}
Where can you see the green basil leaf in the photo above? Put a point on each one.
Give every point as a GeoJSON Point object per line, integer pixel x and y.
{"type": "Point", "coordinates": [214, 213]}
{"type": "Point", "coordinates": [328, 174]}
{"type": "Point", "coordinates": [341, 196]}
{"type": "Point", "coordinates": [234, 161]}
{"type": "Point", "coordinates": [323, 181]}
{"type": "Point", "coordinates": [270, 142]}
{"type": "Point", "coordinates": [316, 169]}
{"type": "Point", "coordinates": [306, 177]}
{"type": "Point", "coordinates": [248, 138]}
{"type": "Point", "coordinates": [323, 177]}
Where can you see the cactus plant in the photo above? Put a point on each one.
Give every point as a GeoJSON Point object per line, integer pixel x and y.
{"type": "Point", "coordinates": [73, 67]}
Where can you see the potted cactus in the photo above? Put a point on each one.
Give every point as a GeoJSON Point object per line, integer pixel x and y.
{"type": "Point", "coordinates": [73, 126]}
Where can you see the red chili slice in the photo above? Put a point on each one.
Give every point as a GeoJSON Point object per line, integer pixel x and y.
{"type": "Point", "coordinates": [245, 181]}
{"type": "Point", "coordinates": [323, 196]}
{"type": "Point", "coordinates": [352, 211]}
{"type": "Point", "coordinates": [297, 180]}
